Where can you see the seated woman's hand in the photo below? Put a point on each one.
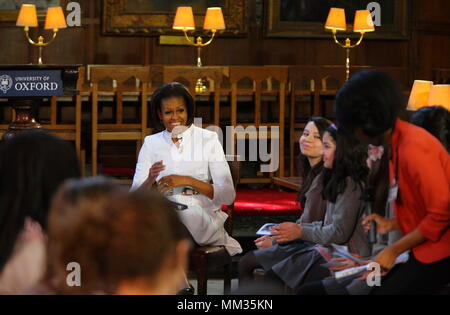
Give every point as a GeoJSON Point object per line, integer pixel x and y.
{"type": "Point", "coordinates": [286, 232]}
{"type": "Point", "coordinates": [263, 242]}
{"type": "Point", "coordinates": [386, 258]}
{"type": "Point", "coordinates": [383, 225]}
{"type": "Point", "coordinates": [172, 181]}
{"type": "Point", "coordinates": [154, 171]}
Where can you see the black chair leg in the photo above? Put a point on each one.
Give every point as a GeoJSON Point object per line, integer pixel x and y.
{"type": "Point", "coordinates": [202, 282]}
{"type": "Point", "coordinates": [227, 279]}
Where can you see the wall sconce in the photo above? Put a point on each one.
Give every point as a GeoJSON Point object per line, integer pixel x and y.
{"type": "Point", "coordinates": [28, 18]}
{"type": "Point", "coordinates": [336, 22]}
{"type": "Point", "coordinates": [184, 21]}
{"type": "Point", "coordinates": [424, 94]}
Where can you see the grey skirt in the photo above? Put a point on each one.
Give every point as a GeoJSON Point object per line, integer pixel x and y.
{"type": "Point", "coordinates": [268, 257]}
{"type": "Point", "coordinates": [290, 261]}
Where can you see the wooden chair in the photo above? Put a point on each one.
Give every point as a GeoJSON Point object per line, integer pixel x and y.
{"type": "Point", "coordinates": [65, 121]}
{"type": "Point", "coordinates": [188, 75]}
{"type": "Point", "coordinates": [329, 81]}
{"type": "Point", "coordinates": [156, 78]}
{"type": "Point", "coordinates": [257, 77]}
{"type": "Point", "coordinates": [130, 82]}
{"type": "Point", "coordinates": [302, 81]}
{"type": "Point", "coordinates": [205, 258]}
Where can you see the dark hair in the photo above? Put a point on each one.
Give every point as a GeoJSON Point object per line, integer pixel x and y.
{"type": "Point", "coordinates": [371, 101]}
{"type": "Point", "coordinates": [168, 90]}
{"type": "Point", "coordinates": [72, 239]}
{"type": "Point", "coordinates": [113, 234]}
{"type": "Point", "coordinates": [436, 120]}
{"type": "Point", "coordinates": [350, 161]}
{"type": "Point", "coordinates": [145, 231]}
{"type": "Point", "coordinates": [307, 174]}
{"type": "Point", "coordinates": [32, 166]}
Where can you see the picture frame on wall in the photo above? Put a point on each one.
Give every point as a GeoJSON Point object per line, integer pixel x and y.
{"type": "Point", "coordinates": [9, 9]}
{"type": "Point", "coordinates": [306, 18]}
{"type": "Point", "coordinates": [155, 18]}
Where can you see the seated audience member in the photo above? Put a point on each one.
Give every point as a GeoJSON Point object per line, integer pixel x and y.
{"type": "Point", "coordinates": [187, 164]}
{"type": "Point", "coordinates": [124, 243]}
{"type": "Point", "coordinates": [419, 171]}
{"type": "Point", "coordinates": [356, 284]}
{"type": "Point", "coordinates": [435, 120]}
{"type": "Point", "coordinates": [345, 172]}
{"type": "Point", "coordinates": [310, 198]}
{"type": "Point", "coordinates": [32, 166]}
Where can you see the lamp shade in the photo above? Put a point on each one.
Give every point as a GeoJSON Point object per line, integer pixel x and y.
{"type": "Point", "coordinates": [214, 19]}
{"type": "Point", "coordinates": [184, 19]}
{"type": "Point", "coordinates": [27, 16]}
{"type": "Point", "coordinates": [55, 18]}
{"type": "Point", "coordinates": [336, 20]}
{"type": "Point", "coordinates": [419, 94]}
{"type": "Point", "coordinates": [440, 96]}
{"type": "Point", "coordinates": [363, 22]}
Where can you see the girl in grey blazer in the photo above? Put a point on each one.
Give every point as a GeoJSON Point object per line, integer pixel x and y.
{"type": "Point", "coordinates": [310, 198]}
{"type": "Point", "coordinates": [342, 181]}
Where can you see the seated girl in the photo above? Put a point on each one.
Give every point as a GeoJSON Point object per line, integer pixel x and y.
{"type": "Point", "coordinates": [356, 284]}
{"type": "Point", "coordinates": [310, 197]}
{"type": "Point", "coordinates": [343, 178]}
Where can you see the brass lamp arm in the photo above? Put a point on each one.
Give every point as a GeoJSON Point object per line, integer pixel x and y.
{"type": "Point", "coordinates": [359, 41]}
{"type": "Point", "coordinates": [347, 41]}
{"type": "Point", "coordinates": [199, 39]}
{"type": "Point", "coordinates": [40, 42]}
{"type": "Point", "coordinates": [210, 40]}
{"type": "Point", "coordinates": [199, 86]}
{"type": "Point", "coordinates": [32, 42]}
{"type": "Point", "coordinates": [55, 31]}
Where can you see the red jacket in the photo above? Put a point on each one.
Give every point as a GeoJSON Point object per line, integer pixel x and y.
{"type": "Point", "coordinates": [421, 166]}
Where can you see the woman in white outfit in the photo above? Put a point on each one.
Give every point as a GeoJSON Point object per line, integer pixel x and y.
{"type": "Point", "coordinates": [187, 164]}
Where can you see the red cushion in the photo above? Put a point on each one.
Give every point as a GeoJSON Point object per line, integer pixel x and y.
{"type": "Point", "coordinates": [265, 202]}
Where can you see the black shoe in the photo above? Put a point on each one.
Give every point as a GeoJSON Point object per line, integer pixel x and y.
{"type": "Point", "coordinates": [187, 291]}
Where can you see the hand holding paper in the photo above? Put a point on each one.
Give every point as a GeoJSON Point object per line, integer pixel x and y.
{"type": "Point", "coordinates": [286, 232]}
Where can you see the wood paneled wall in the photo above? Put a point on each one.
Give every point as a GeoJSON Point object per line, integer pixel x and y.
{"type": "Point", "coordinates": [428, 47]}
